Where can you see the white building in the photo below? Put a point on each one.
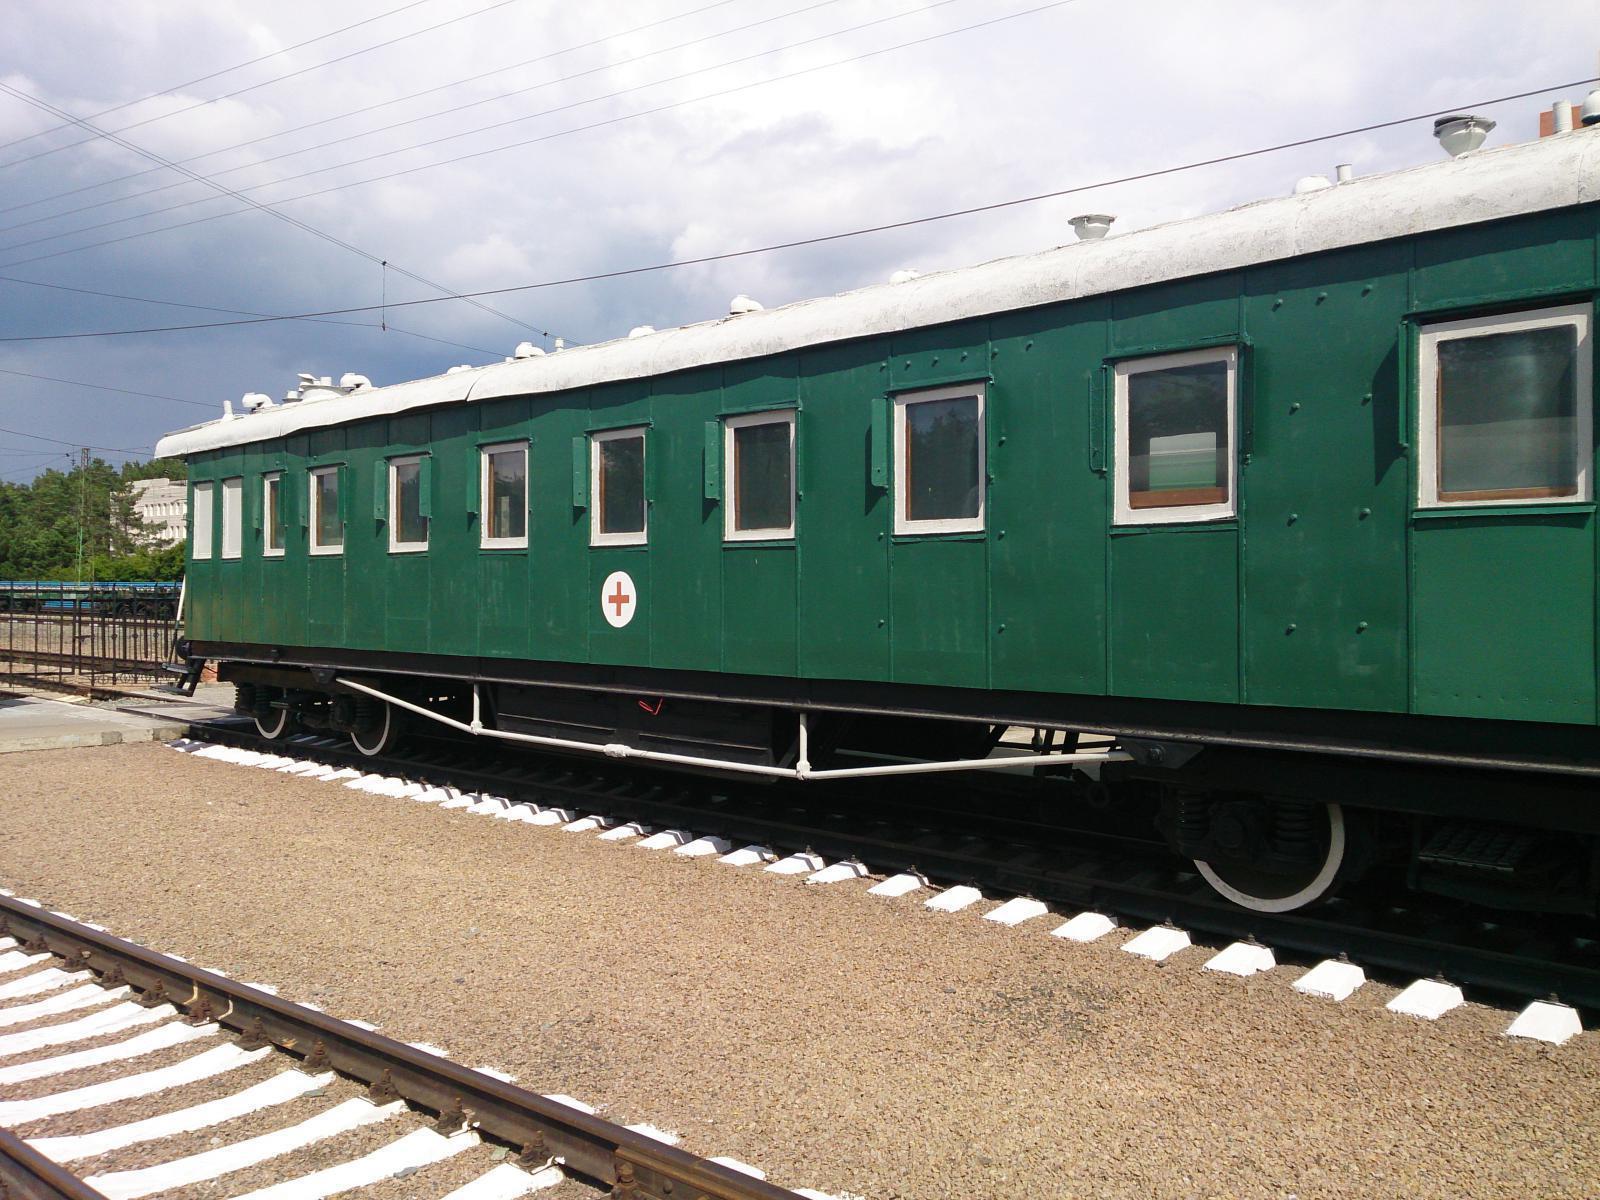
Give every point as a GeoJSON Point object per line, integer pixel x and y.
{"type": "Point", "coordinates": [163, 505]}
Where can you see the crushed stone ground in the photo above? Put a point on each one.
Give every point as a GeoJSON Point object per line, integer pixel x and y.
{"type": "Point", "coordinates": [835, 1039]}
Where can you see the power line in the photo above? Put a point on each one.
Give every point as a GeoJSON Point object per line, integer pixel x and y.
{"type": "Point", "coordinates": [295, 221]}
{"type": "Point", "coordinates": [611, 66]}
{"type": "Point", "coordinates": [617, 120]}
{"type": "Point", "coordinates": [245, 312]}
{"type": "Point", "coordinates": [821, 239]}
{"type": "Point", "coordinates": [355, 112]}
{"type": "Point", "coordinates": [75, 445]}
{"type": "Point", "coordinates": [477, 12]}
{"type": "Point", "coordinates": [178, 87]}
{"type": "Point", "coordinates": [100, 387]}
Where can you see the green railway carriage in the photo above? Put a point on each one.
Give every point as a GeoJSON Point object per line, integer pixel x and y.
{"type": "Point", "coordinates": [1295, 501]}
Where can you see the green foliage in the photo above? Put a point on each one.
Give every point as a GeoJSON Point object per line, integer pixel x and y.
{"type": "Point", "coordinates": [41, 525]}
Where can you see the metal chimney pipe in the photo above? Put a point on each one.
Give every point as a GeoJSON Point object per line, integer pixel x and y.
{"type": "Point", "coordinates": [1563, 116]}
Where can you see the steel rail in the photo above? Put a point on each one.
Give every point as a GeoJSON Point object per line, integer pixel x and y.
{"type": "Point", "coordinates": [25, 1174]}
{"type": "Point", "coordinates": [1136, 881]}
{"type": "Point", "coordinates": [638, 1167]}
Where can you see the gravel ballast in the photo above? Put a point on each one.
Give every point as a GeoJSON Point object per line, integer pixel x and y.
{"type": "Point", "coordinates": [837, 1040]}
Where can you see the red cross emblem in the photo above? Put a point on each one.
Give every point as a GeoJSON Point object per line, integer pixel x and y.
{"type": "Point", "coordinates": [618, 599]}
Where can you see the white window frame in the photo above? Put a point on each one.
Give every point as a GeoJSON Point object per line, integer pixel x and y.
{"type": "Point", "coordinates": [271, 482]}
{"type": "Point", "coordinates": [485, 478]}
{"type": "Point", "coordinates": [731, 491]}
{"type": "Point", "coordinates": [312, 507]}
{"type": "Point", "coordinates": [200, 540]}
{"type": "Point", "coordinates": [233, 518]}
{"type": "Point", "coordinates": [396, 546]}
{"type": "Point", "coordinates": [1428, 338]}
{"type": "Point", "coordinates": [596, 538]}
{"type": "Point", "coordinates": [903, 400]}
{"type": "Point", "coordinates": [1124, 512]}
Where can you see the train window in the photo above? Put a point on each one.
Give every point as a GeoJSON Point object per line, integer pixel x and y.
{"type": "Point", "coordinates": [1502, 416]}
{"type": "Point", "coordinates": [272, 522]}
{"type": "Point", "coordinates": [759, 450]}
{"type": "Point", "coordinates": [232, 517]}
{"type": "Point", "coordinates": [618, 504]}
{"type": "Point", "coordinates": [327, 525]}
{"type": "Point", "coordinates": [939, 460]}
{"type": "Point", "coordinates": [408, 516]}
{"type": "Point", "coordinates": [504, 476]}
{"type": "Point", "coordinates": [201, 547]}
{"type": "Point", "coordinates": [1175, 417]}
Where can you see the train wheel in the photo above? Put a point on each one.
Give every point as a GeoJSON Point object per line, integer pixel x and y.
{"type": "Point", "coordinates": [1283, 891]}
{"type": "Point", "coordinates": [378, 732]}
{"type": "Point", "coordinates": [272, 723]}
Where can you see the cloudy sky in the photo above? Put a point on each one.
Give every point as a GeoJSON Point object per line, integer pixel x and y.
{"type": "Point", "coordinates": [594, 137]}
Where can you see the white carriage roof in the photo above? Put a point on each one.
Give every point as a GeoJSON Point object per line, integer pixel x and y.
{"type": "Point", "coordinates": [1554, 172]}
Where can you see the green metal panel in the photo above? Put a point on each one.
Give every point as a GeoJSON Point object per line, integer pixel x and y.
{"type": "Point", "coordinates": [297, 566]}
{"type": "Point", "coordinates": [200, 599]}
{"type": "Point", "coordinates": [256, 619]}
{"type": "Point", "coordinates": [369, 580]}
{"type": "Point", "coordinates": [939, 611]}
{"type": "Point", "coordinates": [760, 621]}
{"type": "Point", "coordinates": [941, 355]}
{"type": "Point", "coordinates": [407, 576]}
{"type": "Point", "coordinates": [1492, 264]}
{"type": "Point", "coordinates": [230, 605]}
{"type": "Point", "coordinates": [503, 575]}
{"type": "Point", "coordinates": [843, 517]}
{"type": "Point", "coordinates": [760, 584]}
{"type": "Point", "coordinates": [1048, 503]}
{"type": "Point", "coordinates": [611, 407]}
{"type": "Point", "coordinates": [757, 384]}
{"type": "Point", "coordinates": [1504, 616]}
{"type": "Point", "coordinates": [939, 604]}
{"type": "Point", "coordinates": [1174, 602]}
{"type": "Point", "coordinates": [452, 556]}
{"type": "Point", "coordinates": [1325, 488]}
{"type": "Point", "coordinates": [685, 529]}
{"type": "Point", "coordinates": [327, 605]}
{"type": "Point", "coordinates": [558, 612]}
{"type": "Point", "coordinates": [1175, 316]}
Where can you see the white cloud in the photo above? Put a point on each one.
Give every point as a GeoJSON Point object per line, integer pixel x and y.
{"type": "Point", "coordinates": [1090, 91]}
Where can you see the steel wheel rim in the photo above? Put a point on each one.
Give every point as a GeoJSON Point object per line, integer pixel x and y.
{"type": "Point", "coordinates": [1315, 889]}
{"type": "Point", "coordinates": [381, 742]}
{"type": "Point", "coordinates": [276, 730]}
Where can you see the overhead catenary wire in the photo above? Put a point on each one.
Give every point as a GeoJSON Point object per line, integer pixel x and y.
{"type": "Point", "coordinates": [617, 120]}
{"type": "Point", "coordinates": [451, 137]}
{"type": "Point", "coordinates": [527, 62]}
{"type": "Point", "coordinates": [102, 387]}
{"type": "Point", "coordinates": [39, 437]}
{"type": "Point", "coordinates": [295, 221]}
{"type": "Point", "coordinates": [390, 327]}
{"type": "Point", "coordinates": [260, 58]}
{"type": "Point", "coordinates": [477, 12]}
{"type": "Point", "coordinates": [499, 96]}
{"type": "Point", "coordinates": [822, 239]}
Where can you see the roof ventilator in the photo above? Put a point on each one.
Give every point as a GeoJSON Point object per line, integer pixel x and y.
{"type": "Point", "coordinates": [905, 275]}
{"type": "Point", "coordinates": [527, 350]}
{"type": "Point", "coordinates": [255, 401]}
{"type": "Point", "coordinates": [1462, 133]}
{"type": "Point", "coordinates": [742, 304]}
{"type": "Point", "coordinates": [641, 331]}
{"type": "Point", "coordinates": [1091, 227]}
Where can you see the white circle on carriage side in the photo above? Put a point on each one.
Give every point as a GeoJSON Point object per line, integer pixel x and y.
{"type": "Point", "coordinates": [618, 599]}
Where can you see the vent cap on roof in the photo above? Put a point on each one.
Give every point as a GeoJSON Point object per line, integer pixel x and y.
{"type": "Point", "coordinates": [1461, 133]}
{"type": "Point", "coordinates": [527, 350]}
{"type": "Point", "coordinates": [742, 304]}
{"type": "Point", "coordinates": [255, 401]}
{"type": "Point", "coordinates": [905, 275]}
{"type": "Point", "coordinates": [1091, 227]}
{"type": "Point", "coordinates": [1311, 183]}
{"type": "Point", "coordinates": [641, 331]}
{"type": "Point", "coordinates": [1589, 114]}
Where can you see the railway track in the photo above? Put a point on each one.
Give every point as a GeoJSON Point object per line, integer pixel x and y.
{"type": "Point", "coordinates": [936, 831]}
{"type": "Point", "coordinates": [104, 984]}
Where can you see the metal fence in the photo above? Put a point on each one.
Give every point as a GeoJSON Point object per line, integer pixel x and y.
{"type": "Point", "coordinates": [87, 637]}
